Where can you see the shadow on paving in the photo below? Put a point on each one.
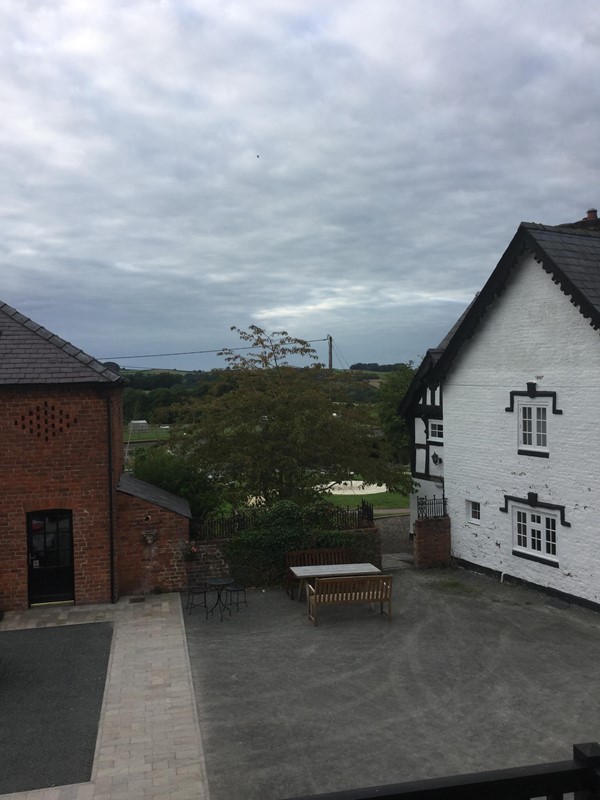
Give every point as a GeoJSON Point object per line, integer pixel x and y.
{"type": "Point", "coordinates": [469, 675]}
{"type": "Point", "coordinates": [51, 688]}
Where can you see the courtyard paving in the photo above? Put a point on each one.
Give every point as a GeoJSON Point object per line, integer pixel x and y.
{"type": "Point", "coordinates": [148, 745]}
{"type": "Point", "coordinates": [469, 675]}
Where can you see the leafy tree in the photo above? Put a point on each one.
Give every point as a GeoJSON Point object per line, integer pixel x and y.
{"type": "Point", "coordinates": [391, 391]}
{"type": "Point", "coordinates": [275, 432]}
{"type": "Point", "coordinates": [179, 474]}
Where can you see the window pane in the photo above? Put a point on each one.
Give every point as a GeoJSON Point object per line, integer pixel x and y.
{"type": "Point", "coordinates": [527, 425]}
{"type": "Point", "coordinates": [540, 427]}
{"type": "Point", "coordinates": [521, 529]}
{"type": "Point", "coordinates": [64, 523]}
{"type": "Point", "coordinates": [550, 536]}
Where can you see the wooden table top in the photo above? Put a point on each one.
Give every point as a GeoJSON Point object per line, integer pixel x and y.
{"type": "Point", "coordinates": [335, 570]}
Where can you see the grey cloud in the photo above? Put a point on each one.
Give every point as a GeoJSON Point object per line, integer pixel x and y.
{"type": "Point", "coordinates": [354, 169]}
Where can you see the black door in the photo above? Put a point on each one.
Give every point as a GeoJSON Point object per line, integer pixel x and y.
{"type": "Point", "coordinates": [50, 550]}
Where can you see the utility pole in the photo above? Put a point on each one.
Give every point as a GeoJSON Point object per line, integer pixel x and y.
{"type": "Point", "coordinates": [330, 344]}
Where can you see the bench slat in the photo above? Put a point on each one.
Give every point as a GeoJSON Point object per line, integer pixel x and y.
{"type": "Point", "coordinates": [349, 590]}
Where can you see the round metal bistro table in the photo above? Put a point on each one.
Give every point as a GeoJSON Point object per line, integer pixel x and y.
{"type": "Point", "coordinates": [219, 584]}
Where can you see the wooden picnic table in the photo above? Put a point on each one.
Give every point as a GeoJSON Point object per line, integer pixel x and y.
{"type": "Point", "coordinates": [331, 571]}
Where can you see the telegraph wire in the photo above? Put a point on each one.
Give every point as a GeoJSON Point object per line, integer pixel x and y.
{"type": "Point", "coordinates": [340, 356]}
{"type": "Point", "coordinates": [192, 352]}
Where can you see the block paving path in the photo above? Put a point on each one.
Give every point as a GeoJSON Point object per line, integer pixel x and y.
{"type": "Point", "coordinates": [149, 743]}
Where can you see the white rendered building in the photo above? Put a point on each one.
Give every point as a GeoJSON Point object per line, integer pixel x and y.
{"type": "Point", "coordinates": [503, 416]}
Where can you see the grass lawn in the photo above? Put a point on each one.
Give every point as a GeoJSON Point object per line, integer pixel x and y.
{"type": "Point", "coordinates": [380, 500]}
{"type": "Point", "coordinates": [153, 434]}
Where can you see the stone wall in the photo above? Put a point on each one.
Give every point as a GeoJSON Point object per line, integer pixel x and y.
{"type": "Point", "coordinates": [394, 532]}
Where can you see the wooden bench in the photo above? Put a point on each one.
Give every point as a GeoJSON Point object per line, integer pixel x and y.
{"type": "Point", "coordinates": [320, 556]}
{"type": "Point", "coordinates": [350, 590]}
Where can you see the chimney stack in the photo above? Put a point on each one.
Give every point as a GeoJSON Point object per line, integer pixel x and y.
{"type": "Point", "coordinates": [592, 213]}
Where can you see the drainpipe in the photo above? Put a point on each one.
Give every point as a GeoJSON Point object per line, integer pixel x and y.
{"type": "Point", "coordinates": [111, 522]}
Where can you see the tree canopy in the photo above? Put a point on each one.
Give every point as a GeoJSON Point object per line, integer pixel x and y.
{"type": "Point", "coordinates": [179, 474]}
{"type": "Point", "coordinates": [283, 432]}
{"type": "Point", "coordinates": [391, 391]}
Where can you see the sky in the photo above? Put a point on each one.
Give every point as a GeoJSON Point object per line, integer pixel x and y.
{"type": "Point", "coordinates": [343, 168]}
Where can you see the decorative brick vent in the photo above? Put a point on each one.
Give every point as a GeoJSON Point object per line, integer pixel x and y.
{"type": "Point", "coordinates": [46, 421]}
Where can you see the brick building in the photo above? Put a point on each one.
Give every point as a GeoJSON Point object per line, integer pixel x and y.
{"type": "Point", "coordinates": [502, 416]}
{"type": "Point", "coordinates": [73, 528]}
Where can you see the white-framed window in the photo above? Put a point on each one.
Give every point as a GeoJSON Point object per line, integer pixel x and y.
{"type": "Point", "coordinates": [533, 427]}
{"type": "Point", "coordinates": [474, 511]}
{"type": "Point", "coordinates": [535, 533]}
{"type": "Point", "coordinates": [436, 430]}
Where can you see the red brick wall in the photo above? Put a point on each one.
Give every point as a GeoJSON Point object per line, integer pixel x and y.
{"type": "Point", "coordinates": [144, 567]}
{"type": "Point", "coordinates": [54, 454]}
{"type": "Point", "coordinates": [432, 542]}
{"type": "Point", "coordinates": [210, 561]}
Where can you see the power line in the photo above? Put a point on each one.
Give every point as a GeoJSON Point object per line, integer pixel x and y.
{"type": "Point", "coordinates": [190, 352]}
{"type": "Point", "coordinates": [340, 356]}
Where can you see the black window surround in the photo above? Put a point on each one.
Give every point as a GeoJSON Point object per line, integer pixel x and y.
{"type": "Point", "coordinates": [532, 501]}
{"type": "Point", "coordinates": [534, 453]}
{"type": "Point", "coordinates": [532, 393]}
{"type": "Point", "coordinates": [532, 557]}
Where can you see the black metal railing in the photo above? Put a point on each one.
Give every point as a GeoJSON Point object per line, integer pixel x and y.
{"type": "Point", "coordinates": [431, 507]}
{"type": "Point", "coordinates": [336, 519]}
{"type": "Point", "coordinates": [552, 781]}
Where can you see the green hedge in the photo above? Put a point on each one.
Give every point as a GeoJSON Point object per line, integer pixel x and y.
{"type": "Point", "coordinates": [257, 558]}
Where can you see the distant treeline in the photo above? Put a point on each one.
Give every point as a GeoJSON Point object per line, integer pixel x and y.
{"type": "Point", "coordinates": [379, 367]}
{"type": "Point", "coordinates": [165, 398]}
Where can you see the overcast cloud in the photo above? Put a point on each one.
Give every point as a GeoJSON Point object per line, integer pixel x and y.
{"type": "Point", "coordinates": [344, 167]}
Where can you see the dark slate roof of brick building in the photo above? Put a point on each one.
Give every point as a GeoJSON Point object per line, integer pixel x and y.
{"type": "Point", "coordinates": [30, 354]}
{"type": "Point", "coordinates": [569, 253]}
{"type": "Point", "coordinates": [152, 494]}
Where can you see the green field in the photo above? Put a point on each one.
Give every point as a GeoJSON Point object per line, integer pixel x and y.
{"type": "Point", "coordinates": [153, 434]}
{"type": "Point", "coordinates": [380, 500]}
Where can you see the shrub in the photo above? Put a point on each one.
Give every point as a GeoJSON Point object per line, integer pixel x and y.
{"type": "Point", "coordinates": [257, 557]}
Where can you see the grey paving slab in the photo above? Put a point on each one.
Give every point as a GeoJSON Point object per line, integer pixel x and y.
{"type": "Point", "coordinates": [470, 675]}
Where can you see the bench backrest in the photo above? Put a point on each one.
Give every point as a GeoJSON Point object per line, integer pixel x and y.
{"type": "Point", "coordinates": [360, 588]}
{"type": "Point", "coordinates": [321, 556]}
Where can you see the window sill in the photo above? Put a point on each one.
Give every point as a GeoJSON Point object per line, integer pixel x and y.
{"type": "Point", "coordinates": [535, 453]}
{"type": "Point", "coordinates": [474, 521]}
{"type": "Point", "coordinates": [533, 557]}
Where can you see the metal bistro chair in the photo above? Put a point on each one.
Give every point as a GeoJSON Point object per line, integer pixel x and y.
{"type": "Point", "coordinates": [196, 589]}
{"type": "Point", "coordinates": [232, 596]}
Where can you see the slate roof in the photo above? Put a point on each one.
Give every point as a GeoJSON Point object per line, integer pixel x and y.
{"type": "Point", "coordinates": [569, 253]}
{"type": "Point", "coordinates": [146, 491]}
{"type": "Point", "coordinates": [30, 354]}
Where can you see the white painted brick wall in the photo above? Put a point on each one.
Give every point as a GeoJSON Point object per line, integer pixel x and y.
{"type": "Point", "coordinates": [532, 333]}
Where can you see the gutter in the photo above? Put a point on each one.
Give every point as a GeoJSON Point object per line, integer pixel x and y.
{"type": "Point", "coordinates": [111, 523]}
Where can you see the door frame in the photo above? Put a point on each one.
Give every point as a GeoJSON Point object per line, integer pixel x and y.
{"type": "Point", "coordinates": [52, 582]}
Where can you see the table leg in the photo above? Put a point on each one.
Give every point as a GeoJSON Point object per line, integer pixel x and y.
{"type": "Point", "coordinates": [218, 604]}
